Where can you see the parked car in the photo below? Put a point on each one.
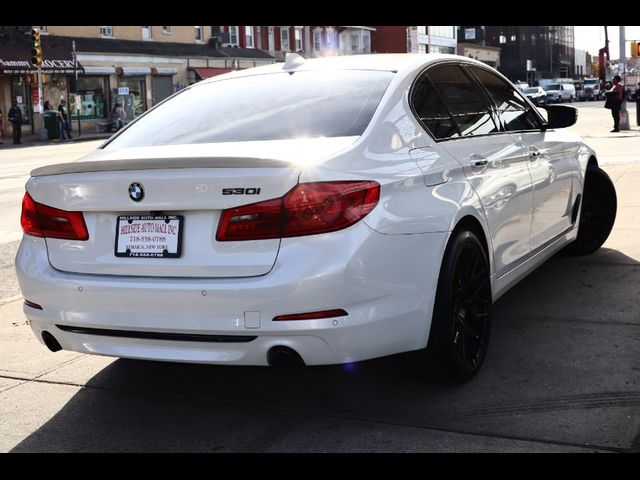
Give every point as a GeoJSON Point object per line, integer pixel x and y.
{"type": "Point", "coordinates": [537, 95]}
{"type": "Point", "coordinates": [313, 212]}
{"type": "Point", "coordinates": [560, 92]}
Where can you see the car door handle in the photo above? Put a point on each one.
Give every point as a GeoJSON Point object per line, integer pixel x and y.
{"type": "Point", "coordinates": [478, 160]}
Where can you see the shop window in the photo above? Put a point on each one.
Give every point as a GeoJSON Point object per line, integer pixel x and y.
{"type": "Point", "coordinates": [133, 102]}
{"type": "Point", "coordinates": [88, 96]}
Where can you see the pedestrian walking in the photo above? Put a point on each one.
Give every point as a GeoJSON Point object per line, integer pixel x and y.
{"type": "Point", "coordinates": [15, 118]}
{"type": "Point", "coordinates": [63, 113]}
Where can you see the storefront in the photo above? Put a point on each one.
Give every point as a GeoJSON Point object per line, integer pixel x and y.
{"type": "Point", "coordinates": [19, 81]}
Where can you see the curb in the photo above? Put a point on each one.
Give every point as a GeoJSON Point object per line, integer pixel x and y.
{"type": "Point", "coordinates": [10, 300]}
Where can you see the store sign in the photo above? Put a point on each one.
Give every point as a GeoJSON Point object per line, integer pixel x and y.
{"type": "Point", "coordinates": [35, 99]}
{"type": "Point", "coordinates": [123, 90]}
{"type": "Point", "coordinates": [25, 66]}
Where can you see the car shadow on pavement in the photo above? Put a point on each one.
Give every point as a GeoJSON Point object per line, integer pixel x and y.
{"type": "Point", "coordinates": [549, 377]}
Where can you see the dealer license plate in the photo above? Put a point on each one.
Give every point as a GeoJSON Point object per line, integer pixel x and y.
{"type": "Point", "coordinates": [155, 236]}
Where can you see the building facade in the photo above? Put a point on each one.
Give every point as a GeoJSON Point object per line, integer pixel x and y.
{"type": "Point", "coordinates": [532, 53]}
{"type": "Point", "coordinates": [415, 39]}
{"type": "Point", "coordinates": [93, 67]}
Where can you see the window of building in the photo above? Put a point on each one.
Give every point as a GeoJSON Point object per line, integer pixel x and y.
{"type": "Point", "coordinates": [248, 37]}
{"type": "Point", "coordinates": [442, 31]}
{"type": "Point", "coordinates": [366, 42]}
{"type": "Point", "coordinates": [199, 32]}
{"type": "Point", "coordinates": [166, 29]}
{"type": "Point", "coordinates": [330, 38]}
{"type": "Point", "coordinates": [88, 95]}
{"type": "Point", "coordinates": [298, 38]}
{"type": "Point", "coordinates": [284, 39]}
{"type": "Point", "coordinates": [233, 35]}
{"type": "Point", "coordinates": [503, 39]}
{"type": "Point", "coordinates": [422, 48]}
{"type": "Point", "coordinates": [106, 31]}
{"type": "Point", "coordinates": [317, 40]}
{"type": "Point", "coordinates": [146, 32]}
{"type": "Point", "coordinates": [442, 49]}
{"type": "Point", "coordinates": [135, 103]}
{"type": "Point", "coordinates": [513, 38]}
{"type": "Point", "coordinates": [422, 30]}
{"type": "Point", "coordinates": [43, 29]}
{"type": "Point", "coordinates": [354, 42]}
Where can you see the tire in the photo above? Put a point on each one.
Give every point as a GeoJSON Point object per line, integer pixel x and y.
{"type": "Point", "coordinates": [597, 215]}
{"type": "Point", "coordinates": [461, 321]}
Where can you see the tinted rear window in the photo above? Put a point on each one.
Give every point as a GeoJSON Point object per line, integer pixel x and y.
{"type": "Point", "coordinates": [264, 107]}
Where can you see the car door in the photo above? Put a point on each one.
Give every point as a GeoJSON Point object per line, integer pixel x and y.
{"type": "Point", "coordinates": [459, 116]}
{"type": "Point", "coordinates": [552, 159]}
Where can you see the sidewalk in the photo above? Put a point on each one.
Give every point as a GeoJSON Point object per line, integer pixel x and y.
{"type": "Point", "coordinates": [32, 140]}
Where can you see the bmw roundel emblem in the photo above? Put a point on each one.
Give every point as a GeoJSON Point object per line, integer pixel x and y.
{"type": "Point", "coordinates": [136, 192]}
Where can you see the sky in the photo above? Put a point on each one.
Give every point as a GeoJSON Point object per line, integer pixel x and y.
{"type": "Point", "coordinates": [591, 39]}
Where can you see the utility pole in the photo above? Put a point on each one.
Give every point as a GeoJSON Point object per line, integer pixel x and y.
{"type": "Point", "coordinates": [624, 113]}
{"type": "Point", "coordinates": [623, 53]}
{"type": "Point", "coordinates": [36, 59]}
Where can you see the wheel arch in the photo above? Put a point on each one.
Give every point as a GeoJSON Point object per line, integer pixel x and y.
{"type": "Point", "coordinates": [469, 222]}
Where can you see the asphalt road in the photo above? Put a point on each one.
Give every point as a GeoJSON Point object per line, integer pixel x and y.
{"type": "Point", "coordinates": [562, 373]}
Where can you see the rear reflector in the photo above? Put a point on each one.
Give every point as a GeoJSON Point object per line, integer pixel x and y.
{"type": "Point", "coordinates": [338, 312]}
{"type": "Point", "coordinates": [31, 304]}
{"type": "Point", "coordinates": [308, 209]}
{"type": "Point", "coordinates": [41, 220]}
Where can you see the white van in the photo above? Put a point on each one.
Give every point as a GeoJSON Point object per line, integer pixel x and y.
{"type": "Point", "coordinates": [560, 92]}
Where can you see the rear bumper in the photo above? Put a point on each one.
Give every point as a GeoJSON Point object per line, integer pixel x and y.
{"type": "Point", "coordinates": [386, 283]}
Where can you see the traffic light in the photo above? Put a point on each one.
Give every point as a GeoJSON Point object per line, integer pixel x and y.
{"type": "Point", "coordinates": [635, 48]}
{"type": "Point", "coordinates": [36, 50]}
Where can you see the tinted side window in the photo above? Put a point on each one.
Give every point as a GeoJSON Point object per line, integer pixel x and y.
{"type": "Point", "coordinates": [514, 111]}
{"type": "Point", "coordinates": [431, 110]}
{"type": "Point", "coordinates": [466, 103]}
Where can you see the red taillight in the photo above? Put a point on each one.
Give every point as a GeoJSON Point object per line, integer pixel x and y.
{"type": "Point", "coordinates": [41, 220]}
{"type": "Point", "coordinates": [308, 209]}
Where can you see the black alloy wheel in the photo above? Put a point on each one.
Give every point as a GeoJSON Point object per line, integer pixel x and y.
{"type": "Point", "coordinates": [461, 321]}
{"type": "Point", "coordinates": [598, 213]}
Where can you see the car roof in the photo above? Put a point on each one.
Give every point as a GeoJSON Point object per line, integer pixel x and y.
{"type": "Point", "coordinates": [403, 63]}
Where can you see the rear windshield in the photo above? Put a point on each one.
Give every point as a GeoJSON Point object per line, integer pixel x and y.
{"type": "Point", "coordinates": [263, 107]}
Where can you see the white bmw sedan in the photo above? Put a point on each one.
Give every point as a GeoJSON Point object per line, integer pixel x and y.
{"type": "Point", "coordinates": [313, 212]}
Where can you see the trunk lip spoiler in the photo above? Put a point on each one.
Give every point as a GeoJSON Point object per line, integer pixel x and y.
{"type": "Point", "coordinates": [159, 163]}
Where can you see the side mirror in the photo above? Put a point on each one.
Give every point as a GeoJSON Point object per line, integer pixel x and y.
{"type": "Point", "coordinates": [561, 116]}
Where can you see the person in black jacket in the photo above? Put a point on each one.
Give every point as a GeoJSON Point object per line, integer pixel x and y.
{"type": "Point", "coordinates": [617, 95]}
{"type": "Point", "coordinates": [15, 117]}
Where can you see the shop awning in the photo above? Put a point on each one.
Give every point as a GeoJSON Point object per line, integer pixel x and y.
{"type": "Point", "coordinates": [99, 70]}
{"type": "Point", "coordinates": [128, 71]}
{"type": "Point", "coordinates": [164, 71]}
{"type": "Point", "coordinates": [15, 59]}
{"type": "Point", "coordinates": [210, 72]}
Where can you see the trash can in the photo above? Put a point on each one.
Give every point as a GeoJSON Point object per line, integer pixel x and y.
{"type": "Point", "coordinates": [52, 124]}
